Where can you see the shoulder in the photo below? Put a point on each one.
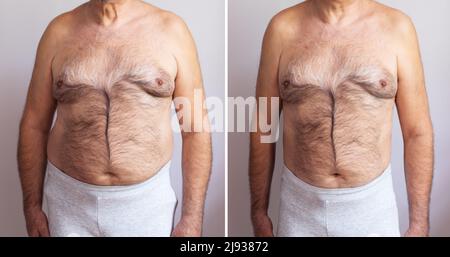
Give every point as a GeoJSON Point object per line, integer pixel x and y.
{"type": "Point", "coordinates": [63, 24]}
{"type": "Point", "coordinates": [58, 29]}
{"type": "Point", "coordinates": [179, 36]}
{"type": "Point", "coordinates": [58, 26]}
{"type": "Point", "coordinates": [286, 24]}
{"type": "Point", "coordinates": [287, 20]}
{"type": "Point", "coordinates": [399, 23]}
{"type": "Point", "coordinates": [176, 35]}
{"type": "Point", "coordinates": [168, 22]}
{"type": "Point", "coordinates": [175, 26]}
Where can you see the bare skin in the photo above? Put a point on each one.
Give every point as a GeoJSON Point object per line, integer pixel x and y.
{"type": "Point", "coordinates": [339, 68]}
{"type": "Point", "coordinates": [111, 70]}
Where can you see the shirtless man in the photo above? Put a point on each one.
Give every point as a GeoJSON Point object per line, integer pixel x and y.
{"type": "Point", "coordinates": [111, 70]}
{"type": "Point", "coordinates": [339, 66]}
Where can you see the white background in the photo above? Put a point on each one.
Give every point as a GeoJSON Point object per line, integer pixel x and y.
{"type": "Point", "coordinates": [22, 23]}
{"type": "Point", "coordinates": [247, 22]}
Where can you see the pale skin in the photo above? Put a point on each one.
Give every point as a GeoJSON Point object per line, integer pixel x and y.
{"type": "Point", "coordinates": [113, 123]}
{"type": "Point", "coordinates": [339, 68]}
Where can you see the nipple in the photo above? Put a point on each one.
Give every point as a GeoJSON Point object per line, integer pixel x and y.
{"type": "Point", "coordinates": [59, 83]}
{"type": "Point", "coordinates": [383, 83]}
{"type": "Point", "coordinates": [286, 83]}
{"type": "Point", "coordinates": [160, 82]}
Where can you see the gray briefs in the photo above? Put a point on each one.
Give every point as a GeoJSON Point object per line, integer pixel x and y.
{"type": "Point", "coordinates": [75, 208]}
{"type": "Point", "coordinates": [309, 211]}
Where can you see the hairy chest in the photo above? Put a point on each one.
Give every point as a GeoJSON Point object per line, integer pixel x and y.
{"type": "Point", "coordinates": [336, 71]}
{"type": "Point", "coordinates": [111, 69]}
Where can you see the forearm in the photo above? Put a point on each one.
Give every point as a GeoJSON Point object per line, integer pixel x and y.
{"type": "Point", "coordinates": [197, 157]}
{"type": "Point", "coordinates": [419, 174]}
{"type": "Point", "coordinates": [32, 156]}
{"type": "Point", "coordinates": [262, 159]}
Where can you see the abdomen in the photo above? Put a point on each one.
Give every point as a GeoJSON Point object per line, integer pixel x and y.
{"type": "Point", "coordinates": [116, 137]}
{"type": "Point", "coordinates": [338, 135]}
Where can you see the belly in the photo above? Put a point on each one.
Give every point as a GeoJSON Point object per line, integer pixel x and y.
{"type": "Point", "coordinates": [112, 138]}
{"type": "Point", "coordinates": [339, 139]}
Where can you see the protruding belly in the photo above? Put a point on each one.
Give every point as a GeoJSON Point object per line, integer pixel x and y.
{"type": "Point", "coordinates": [112, 139]}
{"type": "Point", "coordinates": [331, 140]}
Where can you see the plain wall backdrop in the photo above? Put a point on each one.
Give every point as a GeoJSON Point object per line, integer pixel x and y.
{"type": "Point", "coordinates": [22, 23]}
{"type": "Point", "coordinates": [247, 22]}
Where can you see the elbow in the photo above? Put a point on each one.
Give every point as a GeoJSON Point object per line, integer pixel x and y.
{"type": "Point", "coordinates": [35, 122]}
{"type": "Point", "coordinates": [197, 140]}
{"type": "Point", "coordinates": [204, 135]}
{"type": "Point", "coordinates": [419, 135]}
{"type": "Point", "coordinates": [29, 125]}
{"type": "Point", "coordinates": [421, 130]}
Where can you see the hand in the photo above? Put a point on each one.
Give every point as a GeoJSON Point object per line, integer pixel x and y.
{"type": "Point", "coordinates": [187, 228]}
{"type": "Point", "coordinates": [37, 224]}
{"type": "Point", "coordinates": [262, 226]}
{"type": "Point", "coordinates": [417, 232]}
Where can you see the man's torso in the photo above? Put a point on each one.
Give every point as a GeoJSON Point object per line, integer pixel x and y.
{"type": "Point", "coordinates": [338, 86]}
{"type": "Point", "coordinates": [113, 87]}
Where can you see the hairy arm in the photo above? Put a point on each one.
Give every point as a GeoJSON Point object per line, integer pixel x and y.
{"type": "Point", "coordinates": [262, 155]}
{"type": "Point", "coordinates": [196, 152]}
{"type": "Point", "coordinates": [34, 128]}
{"type": "Point", "coordinates": [412, 106]}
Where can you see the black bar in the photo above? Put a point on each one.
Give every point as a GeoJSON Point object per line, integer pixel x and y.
{"type": "Point", "coordinates": [232, 246]}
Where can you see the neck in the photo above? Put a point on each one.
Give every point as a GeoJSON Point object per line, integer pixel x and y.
{"type": "Point", "coordinates": [107, 12]}
{"type": "Point", "coordinates": [335, 11]}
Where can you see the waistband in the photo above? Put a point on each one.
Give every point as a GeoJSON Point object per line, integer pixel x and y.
{"type": "Point", "coordinates": [382, 182]}
{"type": "Point", "coordinates": [62, 178]}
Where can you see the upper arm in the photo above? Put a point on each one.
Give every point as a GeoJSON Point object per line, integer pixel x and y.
{"type": "Point", "coordinates": [40, 104]}
{"type": "Point", "coordinates": [267, 83]}
{"type": "Point", "coordinates": [188, 81]}
{"type": "Point", "coordinates": [411, 100]}
{"type": "Point", "coordinates": [188, 67]}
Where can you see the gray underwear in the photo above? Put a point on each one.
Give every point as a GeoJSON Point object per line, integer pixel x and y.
{"type": "Point", "coordinates": [309, 211]}
{"type": "Point", "coordinates": [75, 208]}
